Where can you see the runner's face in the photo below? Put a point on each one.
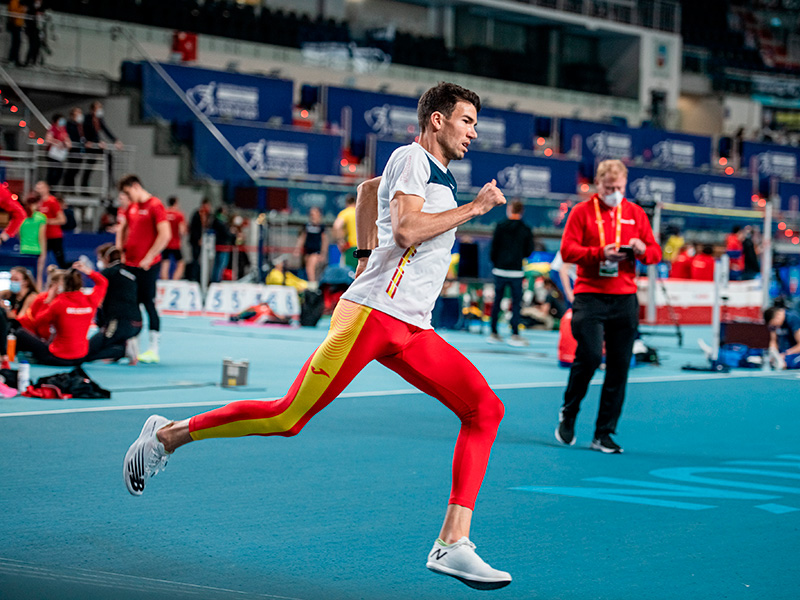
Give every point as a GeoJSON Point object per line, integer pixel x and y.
{"type": "Point", "coordinates": [458, 131]}
{"type": "Point", "coordinates": [611, 182]}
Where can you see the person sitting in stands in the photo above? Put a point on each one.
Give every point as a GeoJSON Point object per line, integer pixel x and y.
{"type": "Point", "coordinates": [71, 314]}
{"type": "Point", "coordinates": [119, 318]}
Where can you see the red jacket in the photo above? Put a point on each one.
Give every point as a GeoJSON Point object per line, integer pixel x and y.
{"type": "Point", "coordinates": [30, 320]}
{"type": "Point", "coordinates": [735, 250]}
{"type": "Point", "coordinates": [681, 267]}
{"type": "Point", "coordinates": [580, 245]}
{"type": "Point", "coordinates": [71, 313]}
{"type": "Point", "coordinates": [14, 210]}
{"type": "Point", "coordinates": [703, 267]}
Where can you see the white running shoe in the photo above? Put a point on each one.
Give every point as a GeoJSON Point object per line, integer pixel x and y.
{"type": "Point", "coordinates": [518, 341]}
{"type": "Point", "coordinates": [145, 457]}
{"type": "Point", "coordinates": [459, 560]}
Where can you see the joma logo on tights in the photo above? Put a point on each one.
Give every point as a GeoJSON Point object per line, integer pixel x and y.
{"type": "Point", "coordinates": [316, 371]}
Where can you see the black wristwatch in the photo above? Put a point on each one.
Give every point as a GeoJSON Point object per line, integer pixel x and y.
{"type": "Point", "coordinates": [361, 253]}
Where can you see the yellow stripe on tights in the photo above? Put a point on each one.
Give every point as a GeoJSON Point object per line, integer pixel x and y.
{"type": "Point", "coordinates": [347, 321]}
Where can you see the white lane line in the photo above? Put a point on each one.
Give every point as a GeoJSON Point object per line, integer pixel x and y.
{"type": "Point", "coordinates": [402, 392]}
{"type": "Point", "coordinates": [119, 580]}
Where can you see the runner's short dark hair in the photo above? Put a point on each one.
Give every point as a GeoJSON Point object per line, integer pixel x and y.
{"type": "Point", "coordinates": [443, 98]}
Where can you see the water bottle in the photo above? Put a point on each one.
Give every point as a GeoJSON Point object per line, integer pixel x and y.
{"type": "Point", "coordinates": [87, 262]}
{"type": "Point", "coordinates": [23, 377]}
{"type": "Point", "coordinates": [11, 347]}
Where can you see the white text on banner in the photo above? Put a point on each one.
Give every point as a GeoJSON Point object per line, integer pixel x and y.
{"type": "Point", "coordinates": [179, 298]}
{"type": "Point", "coordinates": [231, 298]}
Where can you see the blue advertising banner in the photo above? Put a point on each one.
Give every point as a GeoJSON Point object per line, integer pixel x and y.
{"type": "Point", "coordinates": [671, 149]}
{"type": "Point", "coordinates": [392, 116]}
{"type": "Point", "coordinates": [269, 152]}
{"type": "Point", "coordinates": [771, 160]}
{"type": "Point", "coordinates": [216, 94]}
{"type": "Point", "coordinates": [713, 191]}
{"type": "Point", "coordinates": [328, 202]}
{"type": "Point", "coordinates": [517, 174]}
{"type": "Point", "coordinates": [790, 196]}
{"type": "Point", "coordinates": [599, 141]}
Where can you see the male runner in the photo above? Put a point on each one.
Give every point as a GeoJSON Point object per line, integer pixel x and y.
{"type": "Point", "coordinates": [405, 236]}
{"type": "Point", "coordinates": [143, 233]}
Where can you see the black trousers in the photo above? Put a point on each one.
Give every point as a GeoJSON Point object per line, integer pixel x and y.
{"type": "Point", "coordinates": [5, 329]}
{"type": "Point", "coordinates": [16, 38]}
{"type": "Point", "coordinates": [56, 246]}
{"type": "Point", "coordinates": [597, 318]}
{"type": "Point", "coordinates": [28, 342]}
{"type": "Point", "coordinates": [146, 292]}
{"type": "Point", "coordinates": [72, 167]}
{"type": "Point", "coordinates": [55, 170]}
{"type": "Point", "coordinates": [91, 156]}
{"type": "Point", "coordinates": [515, 285]}
{"type": "Point", "coordinates": [109, 343]}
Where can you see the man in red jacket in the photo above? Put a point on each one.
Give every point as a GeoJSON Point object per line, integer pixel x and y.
{"type": "Point", "coordinates": [604, 236]}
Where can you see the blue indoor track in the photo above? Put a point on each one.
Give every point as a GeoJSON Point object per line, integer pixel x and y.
{"type": "Point", "coordinates": [704, 504]}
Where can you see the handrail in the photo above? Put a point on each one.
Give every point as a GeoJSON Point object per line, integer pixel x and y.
{"type": "Point", "coordinates": [24, 97]}
{"type": "Point", "coordinates": [182, 95]}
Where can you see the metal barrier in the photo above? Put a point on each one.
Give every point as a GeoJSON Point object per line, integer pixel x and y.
{"type": "Point", "coordinates": [22, 169]}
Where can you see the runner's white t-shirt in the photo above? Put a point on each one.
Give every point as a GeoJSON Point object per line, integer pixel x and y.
{"type": "Point", "coordinates": [405, 282]}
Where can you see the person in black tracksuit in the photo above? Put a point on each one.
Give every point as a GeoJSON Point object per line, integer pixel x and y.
{"type": "Point", "coordinates": [511, 244]}
{"type": "Point", "coordinates": [119, 318]}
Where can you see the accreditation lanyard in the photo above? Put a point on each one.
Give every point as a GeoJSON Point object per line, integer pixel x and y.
{"type": "Point", "coordinates": [601, 229]}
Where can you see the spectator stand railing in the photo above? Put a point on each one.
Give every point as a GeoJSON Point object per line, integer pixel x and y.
{"type": "Point", "coordinates": [21, 169]}
{"type": "Point", "coordinates": [100, 170]}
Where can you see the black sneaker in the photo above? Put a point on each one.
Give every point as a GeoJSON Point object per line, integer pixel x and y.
{"type": "Point", "coordinates": [565, 432]}
{"type": "Point", "coordinates": [605, 444]}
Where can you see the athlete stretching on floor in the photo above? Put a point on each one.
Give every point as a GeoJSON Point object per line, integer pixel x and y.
{"type": "Point", "coordinates": [405, 234]}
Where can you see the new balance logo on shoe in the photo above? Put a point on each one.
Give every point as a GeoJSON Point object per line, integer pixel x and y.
{"type": "Point", "coordinates": [438, 554]}
{"type": "Point", "coordinates": [137, 484]}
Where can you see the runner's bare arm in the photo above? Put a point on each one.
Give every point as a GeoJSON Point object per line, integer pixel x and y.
{"type": "Point", "coordinates": [411, 226]}
{"type": "Point", "coordinates": [366, 219]}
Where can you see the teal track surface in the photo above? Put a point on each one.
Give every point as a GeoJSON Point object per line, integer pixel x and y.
{"type": "Point", "coordinates": [705, 502]}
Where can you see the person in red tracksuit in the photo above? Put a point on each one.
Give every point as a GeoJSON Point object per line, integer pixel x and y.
{"type": "Point", "coordinates": [703, 265]}
{"type": "Point", "coordinates": [71, 314]}
{"type": "Point", "coordinates": [604, 236]}
{"type": "Point", "coordinates": [15, 212]}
